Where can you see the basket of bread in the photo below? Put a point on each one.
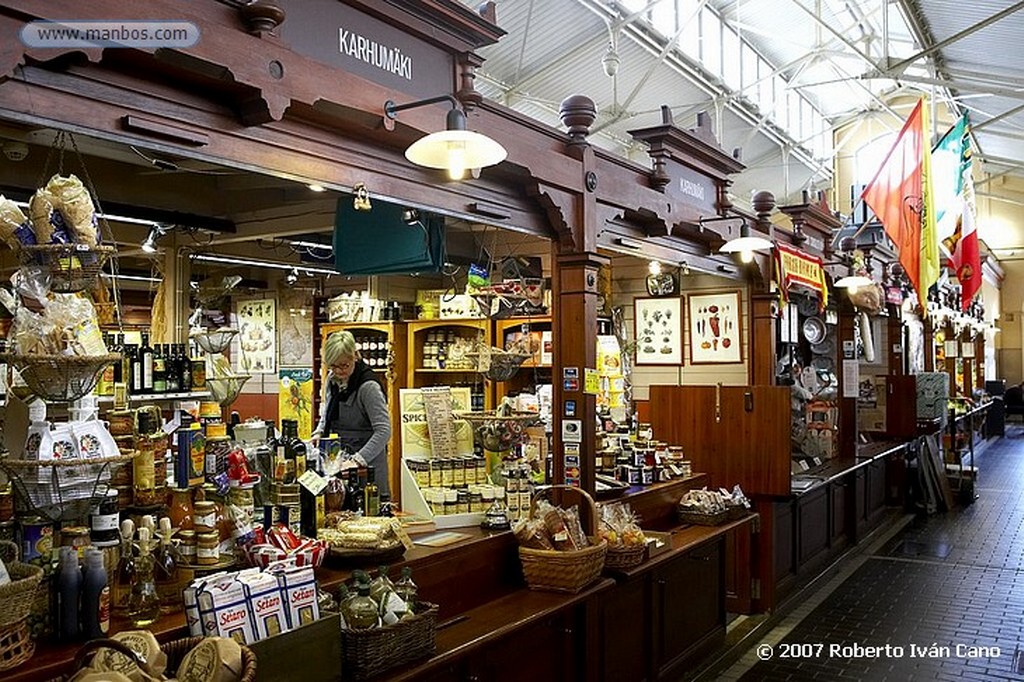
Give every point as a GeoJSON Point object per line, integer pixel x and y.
{"type": "Point", "coordinates": [558, 544]}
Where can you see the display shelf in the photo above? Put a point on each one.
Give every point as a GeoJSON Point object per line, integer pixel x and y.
{"type": "Point", "coordinates": [156, 397]}
{"type": "Point", "coordinates": [423, 335]}
{"type": "Point", "coordinates": [537, 369]}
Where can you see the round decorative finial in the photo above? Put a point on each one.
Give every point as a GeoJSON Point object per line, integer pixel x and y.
{"type": "Point", "coordinates": [261, 16]}
{"type": "Point", "coordinates": [763, 201]}
{"type": "Point", "coordinates": [578, 113]}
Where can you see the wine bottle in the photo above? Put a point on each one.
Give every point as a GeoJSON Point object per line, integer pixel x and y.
{"type": "Point", "coordinates": [173, 372]}
{"type": "Point", "coordinates": [371, 495]}
{"type": "Point", "coordinates": [159, 368]}
{"type": "Point", "coordinates": [146, 364]}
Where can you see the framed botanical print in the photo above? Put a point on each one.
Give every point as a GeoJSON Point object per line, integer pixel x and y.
{"type": "Point", "coordinates": [716, 328]}
{"type": "Point", "coordinates": [658, 325]}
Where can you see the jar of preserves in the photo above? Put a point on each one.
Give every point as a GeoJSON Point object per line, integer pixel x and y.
{"type": "Point", "coordinates": [204, 516]}
{"type": "Point", "coordinates": [105, 521]}
{"type": "Point", "coordinates": [207, 552]}
{"type": "Point", "coordinates": [179, 509]}
{"type": "Point", "coordinates": [187, 546]}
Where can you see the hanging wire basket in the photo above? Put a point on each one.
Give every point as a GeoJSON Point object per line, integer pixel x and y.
{"type": "Point", "coordinates": [214, 341]}
{"type": "Point", "coordinates": [226, 389]}
{"type": "Point", "coordinates": [504, 364]}
{"type": "Point", "coordinates": [60, 378]}
{"type": "Point", "coordinates": [72, 267]}
{"type": "Point", "coordinates": [499, 432]}
{"type": "Point", "coordinates": [62, 489]}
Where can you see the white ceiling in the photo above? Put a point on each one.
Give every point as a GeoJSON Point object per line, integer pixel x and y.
{"type": "Point", "coordinates": [847, 58]}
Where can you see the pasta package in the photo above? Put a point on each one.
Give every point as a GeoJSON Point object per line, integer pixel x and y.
{"type": "Point", "coordinates": [46, 219]}
{"type": "Point", "coordinates": [74, 204]}
{"type": "Point", "coordinates": [15, 229]}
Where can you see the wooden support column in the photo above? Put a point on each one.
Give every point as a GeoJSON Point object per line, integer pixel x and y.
{"type": "Point", "coordinates": [847, 406]}
{"type": "Point", "coordinates": [979, 360]}
{"type": "Point", "coordinates": [929, 346]}
{"type": "Point", "coordinates": [575, 334]}
{"type": "Point", "coordinates": [896, 347]}
{"type": "Point", "coordinates": [950, 366]}
{"type": "Point", "coordinates": [762, 338]}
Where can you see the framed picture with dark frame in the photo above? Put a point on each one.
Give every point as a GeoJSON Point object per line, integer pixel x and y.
{"type": "Point", "coordinates": [657, 323]}
{"type": "Point", "coordinates": [716, 327]}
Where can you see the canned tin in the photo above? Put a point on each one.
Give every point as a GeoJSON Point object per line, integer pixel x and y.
{"type": "Point", "coordinates": [36, 536]}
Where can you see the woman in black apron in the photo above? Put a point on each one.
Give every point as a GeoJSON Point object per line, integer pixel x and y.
{"type": "Point", "coordinates": [355, 407]}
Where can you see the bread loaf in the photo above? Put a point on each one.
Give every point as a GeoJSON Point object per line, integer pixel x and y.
{"type": "Point", "coordinates": [143, 643]}
{"type": "Point", "coordinates": [215, 659]}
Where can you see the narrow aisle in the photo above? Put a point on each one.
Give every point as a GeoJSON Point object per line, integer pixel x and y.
{"type": "Point", "coordinates": [942, 599]}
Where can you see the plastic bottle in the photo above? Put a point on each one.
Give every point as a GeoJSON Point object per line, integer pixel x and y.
{"type": "Point", "coordinates": [69, 589]}
{"type": "Point", "coordinates": [95, 596]}
{"type": "Point", "coordinates": [144, 603]}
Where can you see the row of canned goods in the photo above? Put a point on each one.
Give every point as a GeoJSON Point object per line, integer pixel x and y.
{"type": "Point", "coordinates": [448, 472]}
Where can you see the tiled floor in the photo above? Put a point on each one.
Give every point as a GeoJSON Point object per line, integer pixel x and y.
{"type": "Point", "coordinates": [941, 597]}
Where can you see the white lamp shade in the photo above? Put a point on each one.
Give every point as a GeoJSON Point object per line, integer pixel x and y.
{"type": "Point", "coordinates": [854, 281]}
{"type": "Point", "coordinates": [455, 150]}
{"type": "Point", "coordinates": [740, 244]}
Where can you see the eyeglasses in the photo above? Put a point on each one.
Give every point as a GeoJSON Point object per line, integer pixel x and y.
{"type": "Point", "coordinates": [343, 366]}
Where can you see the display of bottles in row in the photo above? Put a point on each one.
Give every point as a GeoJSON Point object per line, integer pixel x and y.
{"type": "Point", "coordinates": [373, 350]}
{"type": "Point", "coordinates": [146, 369]}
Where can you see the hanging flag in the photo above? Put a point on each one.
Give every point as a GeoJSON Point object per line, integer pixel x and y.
{"type": "Point", "coordinates": [950, 158]}
{"type": "Point", "coordinates": [900, 195]}
{"type": "Point", "coordinates": [966, 260]}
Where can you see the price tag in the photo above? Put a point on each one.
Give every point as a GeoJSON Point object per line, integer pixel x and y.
{"type": "Point", "coordinates": [803, 465]}
{"type": "Point", "coordinates": [313, 482]}
{"type": "Point", "coordinates": [403, 535]}
{"type": "Point", "coordinates": [173, 425]}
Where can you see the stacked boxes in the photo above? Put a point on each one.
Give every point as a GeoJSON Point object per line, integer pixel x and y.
{"type": "Point", "coordinates": [251, 605]}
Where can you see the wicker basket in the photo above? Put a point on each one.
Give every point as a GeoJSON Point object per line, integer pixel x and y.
{"type": "Point", "coordinates": [366, 653]}
{"type": "Point", "coordinates": [214, 341]}
{"type": "Point", "coordinates": [175, 651]}
{"type": "Point", "coordinates": [60, 378]}
{"type": "Point", "coordinates": [698, 518]}
{"type": "Point", "coordinates": [496, 432]}
{"type": "Point", "coordinates": [16, 599]}
{"type": "Point", "coordinates": [546, 569]}
{"type": "Point", "coordinates": [73, 267]}
{"type": "Point", "coordinates": [625, 557]}
{"type": "Point", "coordinates": [226, 389]}
{"type": "Point", "coordinates": [504, 364]}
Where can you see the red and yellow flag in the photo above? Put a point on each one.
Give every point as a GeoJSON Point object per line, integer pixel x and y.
{"type": "Point", "coordinates": [900, 196]}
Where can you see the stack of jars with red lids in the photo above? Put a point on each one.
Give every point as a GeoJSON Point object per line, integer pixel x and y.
{"type": "Point", "coordinates": [280, 542]}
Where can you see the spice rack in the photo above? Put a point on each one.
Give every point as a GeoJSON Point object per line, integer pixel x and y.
{"type": "Point", "coordinates": [438, 355]}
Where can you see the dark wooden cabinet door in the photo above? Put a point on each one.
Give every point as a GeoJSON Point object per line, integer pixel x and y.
{"type": "Point", "coordinates": [837, 495]}
{"type": "Point", "coordinates": [812, 521]}
{"type": "Point", "coordinates": [546, 650]}
{"type": "Point", "coordinates": [688, 604]}
{"type": "Point", "coordinates": [784, 534]}
{"type": "Point", "coordinates": [625, 638]}
{"type": "Point", "coordinates": [876, 489]}
{"type": "Point", "coordinates": [738, 556]}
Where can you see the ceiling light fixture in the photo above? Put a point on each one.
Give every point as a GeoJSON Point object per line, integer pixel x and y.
{"type": "Point", "coordinates": [155, 232]}
{"type": "Point", "coordinates": [852, 282]}
{"type": "Point", "coordinates": [654, 267]}
{"type": "Point", "coordinates": [316, 187]}
{"type": "Point", "coordinates": [271, 265]}
{"type": "Point", "coordinates": [292, 277]}
{"type": "Point", "coordinates": [454, 149]}
{"type": "Point", "coordinates": [745, 245]}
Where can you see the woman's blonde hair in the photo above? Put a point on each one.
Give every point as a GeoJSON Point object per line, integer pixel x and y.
{"type": "Point", "coordinates": [340, 344]}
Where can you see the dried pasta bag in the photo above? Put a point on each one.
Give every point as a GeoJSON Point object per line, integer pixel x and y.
{"type": "Point", "coordinates": [75, 205]}
{"type": "Point", "coordinates": [15, 229]}
{"type": "Point", "coordinates": [46, 219]}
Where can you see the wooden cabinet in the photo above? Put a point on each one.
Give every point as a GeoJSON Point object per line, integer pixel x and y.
{"type": "Point", "coordinates": [535, 370]}
{"type": "Point", "coordinates": [385, 351]}
{"type": "Point", "coordinates": [436, 356]}
{"type": "Point", "coordinates": [656, 622]}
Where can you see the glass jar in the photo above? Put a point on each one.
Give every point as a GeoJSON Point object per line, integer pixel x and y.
{"type": "Point", "coordinates": [204, 516]}
{"type": "Point", "coordinates": [435, 473]}
{"type": "Point", "coordinates": [179, 509]}
{"type": "Point", "coordinates": [459, 472]}
{"type": "Point", "coordinates": [104, 522]}
{"type": "Point", "coordinates": [187, 546]}
{"type": "Point", "coordinates": [207, 553]}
